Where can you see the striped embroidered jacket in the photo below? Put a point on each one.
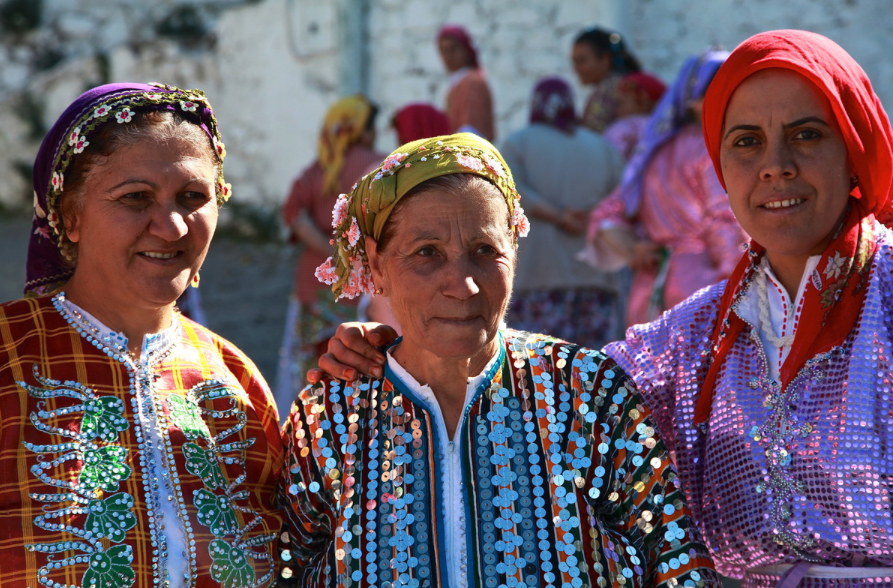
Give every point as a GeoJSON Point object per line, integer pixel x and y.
{"type": "Point", "coordinates": [79, 505]}
{"type": "Point", "coordinates": [564, 481]}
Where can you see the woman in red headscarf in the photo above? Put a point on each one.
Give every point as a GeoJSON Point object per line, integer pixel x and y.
{"type": "Point", "coordinates": [469, 103]}
{"type": "Point", "coordinates": [774, 388]}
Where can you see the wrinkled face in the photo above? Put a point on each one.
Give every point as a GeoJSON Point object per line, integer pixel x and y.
{"type": "Point", "coordinates": [454, 55]}
{"type": "Point", "coordinates": [448, 271]}
{"type": "Point", "coordinates": [149, 212]}
{"type": "Point", "coordinates": [591, 68]}
{"type": "Point", "coordinates": [784, 162]}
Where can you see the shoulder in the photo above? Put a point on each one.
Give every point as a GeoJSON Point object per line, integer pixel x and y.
{"type": "Point", "coordinates": [551, 353]}
{"type": "Point", "coordinates": [213, 346]}
{"type": "Point", "coordinates": [27, 318]}
{"type": "Point", "coordinates": [475, 79]}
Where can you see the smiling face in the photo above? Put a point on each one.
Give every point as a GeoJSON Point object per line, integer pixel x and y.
{"type": "Point", "coordinates": [145, 222]}
{"type": "Point", "coordinates": [784, 162]}
{"type": "Point", "coordinates": [447, 270]}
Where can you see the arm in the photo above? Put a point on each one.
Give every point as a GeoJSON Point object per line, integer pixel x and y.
{"type": "Point", "coordinates": [478, 108]}
{"type": "Point", "coordinates": [309, 234]}
{"type": "Point", "coordinates": [302, 492]}
{"type": "Point", "coordinates": [639, 495]}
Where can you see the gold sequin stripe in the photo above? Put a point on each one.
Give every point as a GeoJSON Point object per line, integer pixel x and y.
{"type": "Point", "coordinates": [349, 533]}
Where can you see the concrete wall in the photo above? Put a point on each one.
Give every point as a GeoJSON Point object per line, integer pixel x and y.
{"type": "Point", "coordinates": [271, 67]}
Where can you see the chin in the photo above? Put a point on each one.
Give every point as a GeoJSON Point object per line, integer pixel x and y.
{"type": "Point", "coordinates": [162, 292]}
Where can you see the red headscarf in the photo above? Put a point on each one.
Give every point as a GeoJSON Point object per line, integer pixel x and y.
{"type": "Point", "coordinates": [833, 299]}
{"type": "Point", "coordinates": [420, 121]}
{"type": "Point", "coordinates": [651, 85]}
{"type": "Point", "coordinates": [461, 35]}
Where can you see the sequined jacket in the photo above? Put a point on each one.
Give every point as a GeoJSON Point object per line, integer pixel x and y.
{"type": "Point", "coordinates": [779, 476]}
{"type": "Point", "coordinates": [78, 506]}
{"type": "Point", "coordinates": [564, 481]}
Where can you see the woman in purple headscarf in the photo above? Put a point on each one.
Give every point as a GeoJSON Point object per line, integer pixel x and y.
{"type": "Point", "coordinates": [137, 447]}
{"type": "Point", "coordinates": [562, 170]}
{"type": "Point", "coordinates": [670, 219]}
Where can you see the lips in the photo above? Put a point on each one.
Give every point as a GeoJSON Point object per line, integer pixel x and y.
{"type": "Point", "coordinates": [778, 204]}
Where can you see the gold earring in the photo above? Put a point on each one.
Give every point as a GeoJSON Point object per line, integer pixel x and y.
{"type": "Point", "coordinates": [379, 291]}
{"type": "Point", "coordinates": [195, 280]}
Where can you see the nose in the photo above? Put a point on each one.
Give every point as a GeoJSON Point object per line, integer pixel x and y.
{"type": "Point", "coordinates": [778, 162]}
{"type": "Point", "coordinates": [168, 222]}
{"type": "Point", "coordinates": [460, 282]}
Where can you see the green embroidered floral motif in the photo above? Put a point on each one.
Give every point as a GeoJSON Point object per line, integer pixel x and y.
{"type": "Point", "coordinates": [203, 463]}
{"type": "Point", "coordinates": [104, 468]}
{"type": "Point", "coordinates": [230, 566]}
{"type": "Point", "coordinates": [103, 418]}
{"type": "Point", "coordinates": [110, 569]}
{"type": "Point", "coordinates": [188, 417]}
{"type": "Point", "coordinates": [111, 517]}
{"type": "Point", "coordinates": [215, 513]}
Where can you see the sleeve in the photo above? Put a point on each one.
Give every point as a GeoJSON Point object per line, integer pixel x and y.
{"type": "Point", "coordinates": [304, 493]}
{"type": "Point", "coordinates": [299, 198]}
{"type": "Point", "coordinates": [513, 153]}
{"type": "Point", "coordinates": [720, 232]}
{"type": "Point", "coordinates": [642, 523]}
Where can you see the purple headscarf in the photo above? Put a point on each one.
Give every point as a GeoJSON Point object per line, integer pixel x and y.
{"type": "Point", "coordinates": [47, 268]}
{"type": "Point", "coordinates": [553, 104]}
{"type": "Point", "coordinates": [669, 116]}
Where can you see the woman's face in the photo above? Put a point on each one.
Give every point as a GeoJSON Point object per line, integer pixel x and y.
{"type": "Point", "coordinates": [455, 56]}
{"type": "Point", "coordinates": [591, 67]}
{"type": "Point", "coordinates": [784, 162]}
{"type": "Point", "coordinates": [448, 271]}
{"type": "Point", "coordinates": [146, 221]}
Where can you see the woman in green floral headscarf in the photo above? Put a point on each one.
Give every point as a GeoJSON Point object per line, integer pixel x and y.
{"type": "Point", "coordinates": [481, 456]}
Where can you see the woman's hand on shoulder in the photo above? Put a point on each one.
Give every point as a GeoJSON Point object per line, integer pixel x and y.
{"type": "Point", "coordinates": [352, 350]}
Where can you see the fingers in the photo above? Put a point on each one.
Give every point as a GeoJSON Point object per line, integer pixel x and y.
{"type": "Point", "coordinates": [344, 362]}
{"type": "Point", "coordinates": [381, 335]}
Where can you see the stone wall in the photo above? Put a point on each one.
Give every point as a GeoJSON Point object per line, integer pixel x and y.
{"type": "Point", "coordinates": [271, 67]}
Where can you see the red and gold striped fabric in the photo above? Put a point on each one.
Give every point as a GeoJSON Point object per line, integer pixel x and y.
{"type": "Point", "coordinates": [79, 502]}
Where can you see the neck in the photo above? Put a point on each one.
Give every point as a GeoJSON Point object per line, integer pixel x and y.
{"type": "Point", "coordinates": [134, 322]}
{"type": "Point", "coordinates": [448, 378]}
{"type": "Point", "coordinates": [789, 271]}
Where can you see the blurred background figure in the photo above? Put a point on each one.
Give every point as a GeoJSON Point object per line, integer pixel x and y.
{"type": "Point", "coordinates": [419, 121]}
{"type": "Point", "coordinates": [469, 102]}
{"type": "Point", "coordinates": [670, 220]}
{"type": "Point", "coordinates": [637, 95]}
{"type": "Point", "coordinates": [561, 171]}
{"type": "Point", "coordinates": [601, 59]}
{"type": "Point", "coordinates": [345, 153]}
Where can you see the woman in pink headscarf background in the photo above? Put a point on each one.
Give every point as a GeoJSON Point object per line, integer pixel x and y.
{"type": "Point", "coordinates": [469, 103]}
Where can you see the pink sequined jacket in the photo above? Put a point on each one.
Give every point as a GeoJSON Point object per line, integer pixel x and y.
{"type": "Point", "coordinates": [779, 476]}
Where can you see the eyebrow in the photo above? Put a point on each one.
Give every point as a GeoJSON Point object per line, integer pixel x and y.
{"type": "Point", "coordinates": [790, 125]}
{"type": "Point", "coordinates": [152, 184]}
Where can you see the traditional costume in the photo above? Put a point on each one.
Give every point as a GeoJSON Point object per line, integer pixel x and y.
{"type": "Point", "coordinates": [780, 411]}
{"type": "Point", "coordinates": [469, 102]}
{"type": "Point", "coordinates": [554, 475]}
{"type": "Point", "coordinates": [670, 196]}
{"type": "Point", "coordinates": [557, 162]}
{"type": "Point", "coordinates": [115, 470]}
{"type": "Point", "coordinates": [312, 314]}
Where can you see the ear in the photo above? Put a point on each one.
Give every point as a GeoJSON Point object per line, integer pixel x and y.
{"type": "Point", "coordinates": [72, 224]}
{"type": "Point", "coordinates": [375, 262]}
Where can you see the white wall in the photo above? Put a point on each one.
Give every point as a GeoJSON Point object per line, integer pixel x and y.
{"type": "Point", "coordinates": [271, 67]}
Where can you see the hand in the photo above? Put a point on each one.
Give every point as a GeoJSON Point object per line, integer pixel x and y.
{"type": "Point", "coordinates": [352, 350]}
{"type": "Point", "coordinates": [573, 221]}
{"type": "Point", "coordinates": [646, 256]}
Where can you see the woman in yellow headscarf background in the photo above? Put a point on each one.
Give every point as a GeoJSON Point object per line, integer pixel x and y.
{"type": "Point", "coordinates": [345, 153]}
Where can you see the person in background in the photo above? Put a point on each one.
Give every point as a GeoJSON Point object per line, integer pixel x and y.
{"type": "Point", "coordinates": [469, 103]}
{"type": "Point", "coordinates": [601, 58]}
{"type": "Point", "coordinates": [419, 121]}
{"type": "Point", "coordinates": [637, 96]}
{"type": "Point", "coordinates": [137, 448]}
{"type": "Point", "coordinates": [670, 219]}
{"type": "Point", "coordinates": [562, 171]}
{"type": "Point", "coordinates": [345, 153]}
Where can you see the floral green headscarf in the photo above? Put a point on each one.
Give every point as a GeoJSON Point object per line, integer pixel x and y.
{"type": "Point", "coordinates": [366, 209]}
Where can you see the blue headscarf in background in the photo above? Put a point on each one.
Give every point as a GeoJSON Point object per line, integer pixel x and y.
{"type": "Point", "coordinates": [669, 116]}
